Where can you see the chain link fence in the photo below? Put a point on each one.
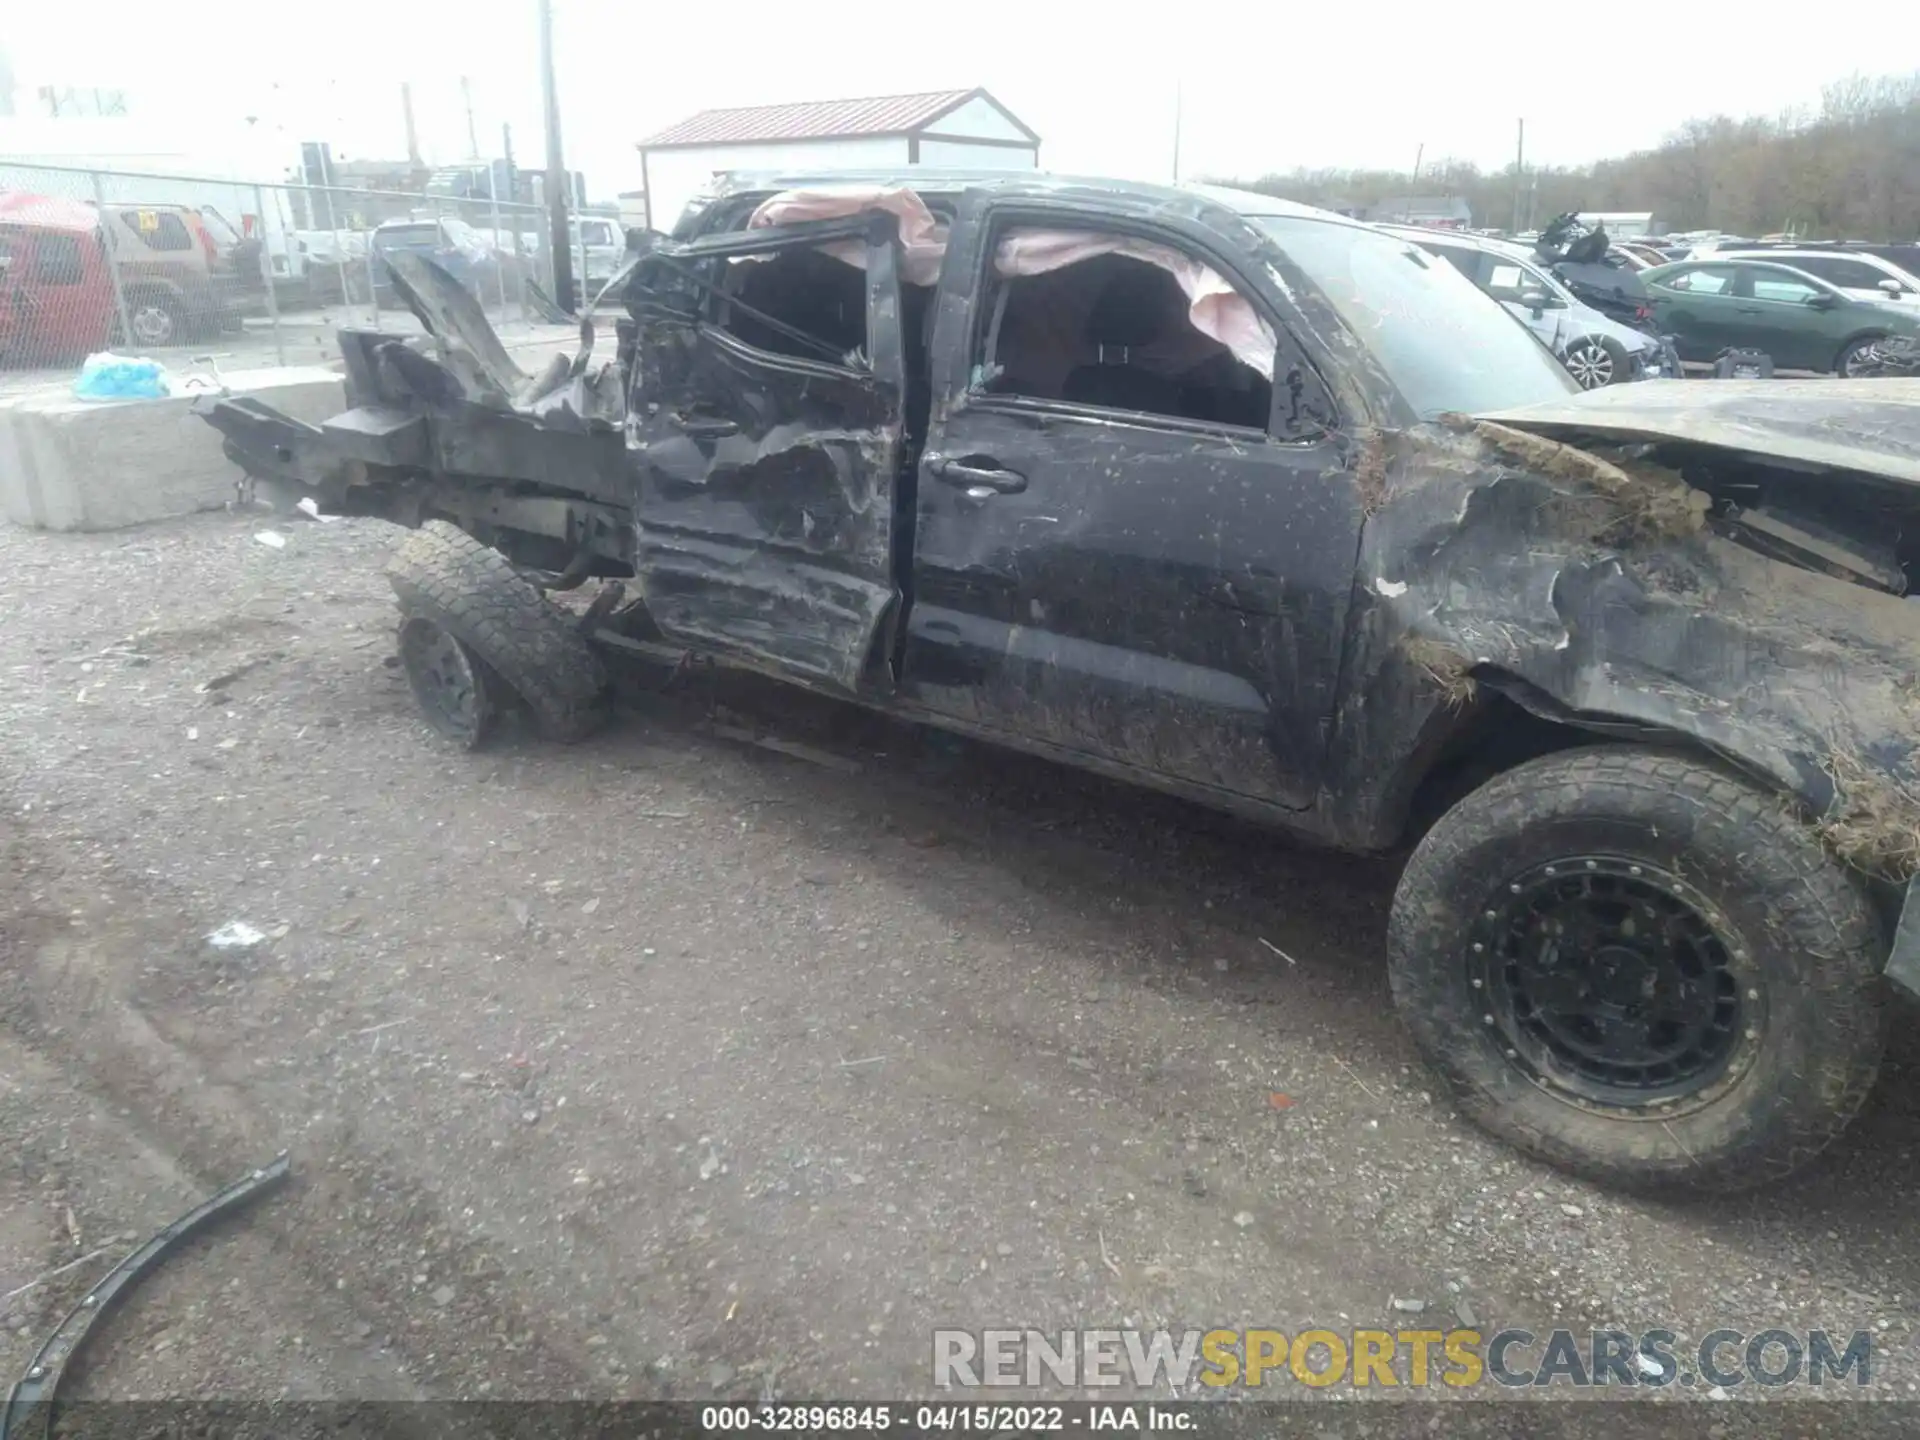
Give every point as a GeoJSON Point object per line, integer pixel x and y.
{"type": "Point", "coordinates": [183, 267]}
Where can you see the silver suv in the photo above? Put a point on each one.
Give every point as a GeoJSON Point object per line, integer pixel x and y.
{"type": "Point", "coordinates": [1856, 273]}
{"type": "Point", "coordinates": [1596, 351]}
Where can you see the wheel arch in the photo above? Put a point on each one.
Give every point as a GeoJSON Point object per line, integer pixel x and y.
{"type": "Point", "coordinates": [1511, 721]}
{"type": "Point", "coordinates": [155, 286]}
{"type": "Point", "coordinates": [1870, 333]}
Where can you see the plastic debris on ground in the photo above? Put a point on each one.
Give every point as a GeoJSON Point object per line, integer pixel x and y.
{"type": "Point", "coordinates": [272, 539]}
{"type": "Point", "coordinates": [236, 935]}
{"type": "Point", "coordinates": [106, 376]}
{"type": "Point", "coordinates": [310, 508]}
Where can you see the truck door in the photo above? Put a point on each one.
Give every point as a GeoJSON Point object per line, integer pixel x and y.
{"type": "Point", "coordinates": [1130, 545]}
{"type": "Point", "coordinates": [766, 428]}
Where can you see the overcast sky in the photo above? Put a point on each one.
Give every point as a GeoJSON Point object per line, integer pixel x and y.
{"type": "Point", "coordinates": [1266, 86]}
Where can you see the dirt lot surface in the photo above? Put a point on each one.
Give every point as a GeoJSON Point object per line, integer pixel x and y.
{"type": "Point", "coordinates": [665, 1066]}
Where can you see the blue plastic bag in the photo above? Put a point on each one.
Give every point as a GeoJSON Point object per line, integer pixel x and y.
{"type": "Point", "coordinates": [107, 376]}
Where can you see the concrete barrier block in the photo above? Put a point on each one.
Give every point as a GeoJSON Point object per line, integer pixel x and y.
{"type": "Point", "coordinates": [72, 464]}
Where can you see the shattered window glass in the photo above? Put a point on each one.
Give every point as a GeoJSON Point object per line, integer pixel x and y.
{"type": "Point", "coordinates": [1443, 343]}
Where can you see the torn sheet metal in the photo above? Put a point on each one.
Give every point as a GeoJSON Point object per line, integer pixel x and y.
{"type": "Point", "coordinates": [765, 512]}
{"type": "Point", "coordinates": [419, 420]}
{"type": "Point", "coordinates": [1600, 597]}
{"type": "Point", "coordinates": [568, 392]}
{"type": "Point", "coordinates": [1865, 426]}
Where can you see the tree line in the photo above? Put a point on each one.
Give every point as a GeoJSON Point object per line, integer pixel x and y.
{"type": "Point", "coordinates": [1850, 170]}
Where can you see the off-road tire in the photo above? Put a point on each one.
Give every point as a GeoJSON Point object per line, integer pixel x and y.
{"type": "Point", "coordinates": [470, 591]}
{"type": "Point", "coordinates": [1802, 926]}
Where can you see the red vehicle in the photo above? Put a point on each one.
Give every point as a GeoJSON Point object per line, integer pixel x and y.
{"type": "Point", "coordinates": [56, 299]}
{"type": "Point", "coordinates": [56, 295]}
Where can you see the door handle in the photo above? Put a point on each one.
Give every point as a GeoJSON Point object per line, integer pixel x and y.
{"type": "Point", "coordinates": [978, 477]}
{"type": "Point", "coordinates": [706, 427]}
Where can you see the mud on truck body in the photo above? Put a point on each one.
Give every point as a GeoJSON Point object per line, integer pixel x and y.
{"type": "Point", "coordinates": [1260, 507]}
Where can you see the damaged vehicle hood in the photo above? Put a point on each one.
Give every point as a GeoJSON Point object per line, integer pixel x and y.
{"type": "Point", "coordinates": [1865, 426]}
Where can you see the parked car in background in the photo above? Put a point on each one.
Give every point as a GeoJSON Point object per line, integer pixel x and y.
{"type": "Point", "coordinates": [56, 296]}
{"type": "Point", "coordinates": [450, 243]}
{"type": "Point", "coordinates": [1859, 273]}
{"type": "Point", "coordinates": [1640, 255]}
{"type": "Point", "coordinates": [177, 285]}
{"type": "Point", "coordinates": [604, 245]}
{"type": "Point", "coordinates": [1597, 351]}
{"type": "Point", "coordinates": [57, 300]}
{"type": "Point", "coordinates": [1905, 257]}
{"type": "Point", "coordinates": [1800, 320]}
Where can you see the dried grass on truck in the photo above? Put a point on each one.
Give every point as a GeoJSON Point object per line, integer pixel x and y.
{"type": "Point", "coordinates": [1874, 821]}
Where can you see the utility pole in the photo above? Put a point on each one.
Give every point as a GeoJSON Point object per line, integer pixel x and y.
{"type": "Point", "coordinates": [473, 135]}
{"type": "Point", "coordinates": [1519, 168]}
{"type": "Point", "coordinates": [559, 240]}
{"type": "Point", "coordinates": [514, 214]}
{"type": "Point", "coordinates": [413, 135]}
{"type": "Point", "coordinates": [1419, 154]}
{"type": "Point", "coordinates": [1177, 97]}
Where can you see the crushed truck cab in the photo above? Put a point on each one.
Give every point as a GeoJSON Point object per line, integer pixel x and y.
{"type": "Point", "coordinates": [1265, 508]}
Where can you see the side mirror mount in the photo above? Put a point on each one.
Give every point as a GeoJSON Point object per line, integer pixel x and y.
{"type": "Point", "coordinates": [1893, 288]}
{"type": "Point", "coordinates": [1537, 301]}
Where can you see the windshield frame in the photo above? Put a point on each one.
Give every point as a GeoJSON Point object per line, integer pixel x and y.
{"type": "Point", "coordinates": [1413, 355]}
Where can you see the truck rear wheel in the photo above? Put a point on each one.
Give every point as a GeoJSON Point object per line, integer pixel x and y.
{"type": "Point", "coordinates": [473, 630]}
{"type": "Point", "coordinates": [1641, 968]}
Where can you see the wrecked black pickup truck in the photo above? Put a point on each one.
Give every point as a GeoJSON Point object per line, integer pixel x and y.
{"type": "Point", "coordinates": [1265, 508]}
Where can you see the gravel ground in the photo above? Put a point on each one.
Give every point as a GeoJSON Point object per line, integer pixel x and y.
{"type": "Point", "coordinates": [664, 1066]}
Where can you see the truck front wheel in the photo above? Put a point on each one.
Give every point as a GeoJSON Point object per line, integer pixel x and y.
{"type": "Point", "coordinates": [1642, 968]}
{"type": "Point", "coordinates": [470, 626]}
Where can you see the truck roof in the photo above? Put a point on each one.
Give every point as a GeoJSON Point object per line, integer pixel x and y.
{"type": "Point", "coordinates": [931, 180]}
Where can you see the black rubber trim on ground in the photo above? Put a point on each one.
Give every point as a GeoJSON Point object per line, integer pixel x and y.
{"type": "Point", "coordinates": [1804, 929]}
{"type": "Point", "coordinates": [473, 592]}
{"type": "Point", "coordinates": [30, 1402]}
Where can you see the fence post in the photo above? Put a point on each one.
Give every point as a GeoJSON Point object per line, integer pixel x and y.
{"type": "Point", "coordinates": [576, 223]}
{"type": "Point", "coordinates": [373, 282]}
{"type": "Point", "coordinates": [113, 261]}
{"type": "Point", "coordinates": [499, 253]}
{"type": "Point", "coordinates": [520, 266]}
{"type": "Point", "coordinates": [266, 271]}
{"type": "Point", "coordinates": [341, 270]}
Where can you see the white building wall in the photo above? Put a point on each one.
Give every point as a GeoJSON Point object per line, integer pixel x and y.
{"type": "Point", "coordinates": [676, 176]}
{"type": "Point", "coordinates": [959, 155]}
{"type": "Point", "coordinates": [977, 119]}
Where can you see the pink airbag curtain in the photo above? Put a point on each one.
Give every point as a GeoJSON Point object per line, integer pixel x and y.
{"type": "Point", "coordinates": [1214, 307]}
